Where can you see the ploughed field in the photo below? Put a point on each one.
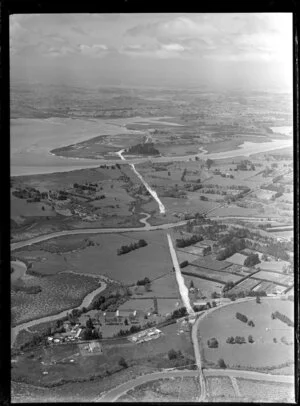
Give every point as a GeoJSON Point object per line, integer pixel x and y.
{"type": "Point", "coordinates": [273, 340]}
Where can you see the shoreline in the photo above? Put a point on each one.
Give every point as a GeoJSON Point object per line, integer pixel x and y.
{"type": "Point", "coordinates": [245, 149]}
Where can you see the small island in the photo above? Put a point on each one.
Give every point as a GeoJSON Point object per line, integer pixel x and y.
{"type": "Point", "coordinates": [143, 149]}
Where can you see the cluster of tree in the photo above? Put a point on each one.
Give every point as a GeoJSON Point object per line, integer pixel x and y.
{"type": "Point", "coordinates": [204, 198]}
{"type": "Point", "coordinates": [91, 334]}
{"type": "Point", "coordinates": [236, 245]}
{"type": "Point", "coordinates": [241, 317]}
{"type": "Point", "coordinates": [109, 166]}
{"type": "Point", "coordinates": [221, 363]}
{"type": "Point", "coordinates": [111, 303]}
{"type": "Point", "coordinates": [183, 175]}
{"type": "Point", "coordinates": [131, 247]}
{"type": "Point", "coordinates": [251, 260]}
{"type": "Point", "coordinates": [243, 166]}
{"type": "Point", "coordinates": [267, 171]}
{"type": "Point", "coordinates": [91, 186]}
{"type": "Point", "coordinates": [31, 290]}
{"type": "Point", "coordinates": [144, 281]}
{"type": "Point", "coordinates": [277, 194]}
{"type": "Point", "coordinates": [131, 330]}
{"type": "Point", "coordinates": [143, 149]}
{"type": "Point", "coordinates": [228, 286]}
{"type": "Point", "coordinates": [192, 187]}
{"type": "Point", "coordinates": [209, 162]}
{"type": "Point", "coordinates": [236, 340]}
{"type": "Point", "coordinates": [172, 354]}
{"type": "Point", "coordinates": [178, 313]}
{"type": "Point", "coordinates": [213, 343]}
{"type": "Point", "coordinates": [185, 242]}
{"type": "Point", "coordinates": [31, 194]}
{"type": "Point", "coordinates": [243, 293]}
{"type": "Point", "coordinates": [123, 363]}
{"type": "Point", "coordinates": [285, 319]}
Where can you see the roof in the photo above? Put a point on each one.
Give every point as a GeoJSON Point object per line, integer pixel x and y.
{"type": "Point", "coordinates": [109, 314]}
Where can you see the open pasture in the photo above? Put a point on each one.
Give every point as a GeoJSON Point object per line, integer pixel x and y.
{"type": "Point", "coordinates": [151, 261]}
{"type": "Point", "coordinates": [263, 353]}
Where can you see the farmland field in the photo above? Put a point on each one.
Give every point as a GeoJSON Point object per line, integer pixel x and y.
{"type": "Point", "coordinates": [220, 387]}
{"type": "Point", "coordinates": [275, 277]}
{"type": "Point", "coordinates": [264, 352]}
{"type": "Point", "coordinates": [59, 292]}
{"type": "Point", "coordinates": [166, 286]}
{"type": "Point", "coordinates": [179, 389]}
{"type": "Point", "coordinates": [206, 287]}
{"type": "Point", "coordinates": [266, 391]}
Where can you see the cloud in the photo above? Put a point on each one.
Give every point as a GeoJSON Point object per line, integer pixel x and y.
{"type": "Point", "coordinates": [176, 28]}
{"type": "Point", "coordinates": [153, 50]}
{"type": "Point", "coordinates": [94, 50]}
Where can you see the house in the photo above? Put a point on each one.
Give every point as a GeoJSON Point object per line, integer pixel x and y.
{"type": "Point", "coordinates": [111, 318]}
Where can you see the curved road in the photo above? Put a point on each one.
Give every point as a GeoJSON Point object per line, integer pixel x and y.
{"type": "Point", "coordinates": [85, 303]}
{"type": "Point", "coordinates": [35, 240]}
{"type": "Point", "coordinates": [115, 393]}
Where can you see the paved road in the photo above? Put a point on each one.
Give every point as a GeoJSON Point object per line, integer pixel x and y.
{"type": "Point", "coordinates": [115, 393]}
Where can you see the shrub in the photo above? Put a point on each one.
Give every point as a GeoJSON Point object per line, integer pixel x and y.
{"type": "Point", "coordinates": [221, 363]}
{"type": "Point", "coordinates": [283, 318]}
{"type": "Point", "coordinates": [230, 340]}
{"type": "Point", "coordinates": [123, 363]}
{"type": "Point", "coordinates": [240, 340]}
{"type": "Point", "coordinates": [251, 323]}
{"type": "Point", "coordinates": [241, 317]}
{"type": "Point", "coordinates": [251, 260]}
{"type": "Point", "coordinates": [250, 339]}
{"type": "Point", "coordinates": [213, 343]}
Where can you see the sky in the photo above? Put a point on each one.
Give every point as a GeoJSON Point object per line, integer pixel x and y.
{"type": "Point", "coordinates": [248, 50]}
